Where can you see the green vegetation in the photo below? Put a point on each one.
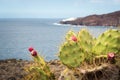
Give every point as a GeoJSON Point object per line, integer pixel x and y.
{"type": "Point", "coordinates": [80, 50]}
{"type": "Point", "coordinates": [40, 70]}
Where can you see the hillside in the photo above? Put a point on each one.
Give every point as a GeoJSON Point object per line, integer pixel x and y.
{"type": "Point", "coordinates": [110, 19]}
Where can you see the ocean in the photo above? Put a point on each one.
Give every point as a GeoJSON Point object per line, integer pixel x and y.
{"type": "Point", "coordinates": [45, 35]}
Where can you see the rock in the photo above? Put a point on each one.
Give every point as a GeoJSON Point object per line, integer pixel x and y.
{"type": "Point", "coordinates": [11, 78]}
{"type": "Point", "coordinates": [12, 69]}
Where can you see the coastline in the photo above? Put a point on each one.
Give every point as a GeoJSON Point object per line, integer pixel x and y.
{"type": "Point", "coordinates": [82, 26]}
{"type": "Point", "coordinates": [109, 19]}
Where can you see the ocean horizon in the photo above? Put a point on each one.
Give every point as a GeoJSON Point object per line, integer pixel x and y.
{"type": "Point", "coordinates": [44, 34]}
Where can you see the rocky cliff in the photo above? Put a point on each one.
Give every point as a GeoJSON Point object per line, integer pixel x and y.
{"type": "Point", "coordinates": [110, 19]}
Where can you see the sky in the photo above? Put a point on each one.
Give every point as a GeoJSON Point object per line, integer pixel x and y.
{"type": "Point", "coordinates": [56, 8]}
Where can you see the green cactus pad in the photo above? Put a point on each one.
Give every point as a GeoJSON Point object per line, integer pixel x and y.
{"type": "Point", "coordinates": [107, 42]}
{"type": "Point", "coordinates": [86, 42]}
{"type": "Point", "coordinates": [86, 48]}
{"type": "Point", "coordinates": [70, 34]}
{"type": "Point", "coordinates": [70, 52]}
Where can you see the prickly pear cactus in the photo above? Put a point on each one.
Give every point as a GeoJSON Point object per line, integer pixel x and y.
{"type": "Point", "coordinates": [83, 47]}
{"type": "Point", "coordinates": [70, 52]}
{"type": "Point", "coordinates": [107, 42]}
{"type": "Point", "coordinates": [85, 41]}
{"type": "Point", "coordinates": [40, 70]}
{"type": "Point", "coordinates": [69, 35]}
{"type": "Point", "coordinates": [36, 73]}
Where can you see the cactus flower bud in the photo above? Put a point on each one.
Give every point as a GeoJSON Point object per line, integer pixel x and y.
{"type": "Point", "coordinates": [34, 53]}
{"type": "Point", "coordinates": [73, 38]}
{"type": "Point", "coordinates": [110, 56]}
{"type": "Point", "coordinates": [31, 49]}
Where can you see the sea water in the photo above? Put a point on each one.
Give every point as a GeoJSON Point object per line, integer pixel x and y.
{"type": "Point", "coordinates": [45, 35]}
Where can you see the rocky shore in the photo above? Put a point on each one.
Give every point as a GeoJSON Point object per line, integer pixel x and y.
{"type": "Point", "coordinates": [110, 19]}
{"type": "Point", "coordinates": [12, 69]}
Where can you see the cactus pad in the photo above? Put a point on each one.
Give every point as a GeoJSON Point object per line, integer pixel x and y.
{"type": "Point", "coordinates": [83, 47]}
{"type": "Point", "coordinates": [107, 42]}
{"type": "Point", "coordinates": [70, 52]}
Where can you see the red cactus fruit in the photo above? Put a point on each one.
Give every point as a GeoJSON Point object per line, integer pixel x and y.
{"type": "Point", "coordinates": [111, 56]}
{"type": "Point", "coordinates": [31, 49]}
{"type": "Point", "coordinates": [34, 53]}
{"type": "Point", "coordinates": [73, 38]}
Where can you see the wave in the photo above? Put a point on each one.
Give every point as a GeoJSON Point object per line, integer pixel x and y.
{"type": "Point", "coordinates": [69, 19]}
{"type": "Point", "coordinates": [58, 24]}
